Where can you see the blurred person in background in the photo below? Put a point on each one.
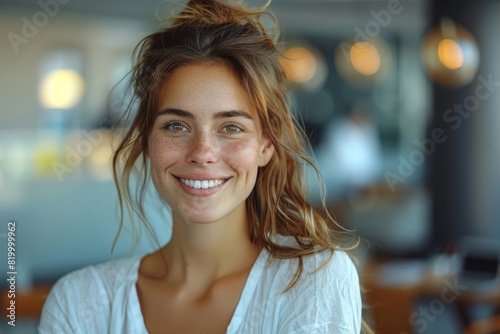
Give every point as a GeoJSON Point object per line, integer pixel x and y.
{"type": "Point", "coordinates": [351, 152]}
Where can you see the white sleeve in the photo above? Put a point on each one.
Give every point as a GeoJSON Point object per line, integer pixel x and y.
{"type": "Point", "coordinates": [55, 316]}
{"type": "Point", "coordinates": [76, 304]}
{"type": "Point", "coordinates": [328, 301]}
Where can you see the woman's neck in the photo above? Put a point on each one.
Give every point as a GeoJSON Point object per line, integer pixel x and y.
{"type": "Point", "coordinates": [200, 254]}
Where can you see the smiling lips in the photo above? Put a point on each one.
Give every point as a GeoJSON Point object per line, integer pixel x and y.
{"type": "Point", "coordinates": [202, 184]}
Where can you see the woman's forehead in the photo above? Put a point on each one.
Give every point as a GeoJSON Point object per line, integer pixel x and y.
{"type": "Point", "coordinates": [207, 87]}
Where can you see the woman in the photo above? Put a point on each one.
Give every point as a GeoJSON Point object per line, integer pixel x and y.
{"type": "Point", "coordinates": [248, 253]}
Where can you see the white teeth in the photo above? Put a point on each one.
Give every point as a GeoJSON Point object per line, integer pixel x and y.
{"type": "Point", "coordinates": [205, 184]}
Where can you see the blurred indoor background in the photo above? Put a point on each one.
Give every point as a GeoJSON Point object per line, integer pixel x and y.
{"type": "Point", "coordinates": [400, 100]}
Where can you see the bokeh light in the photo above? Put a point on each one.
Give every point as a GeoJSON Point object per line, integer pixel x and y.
{"type": "Point", "coordinates": [365, 58]}
{"type": "Point", "coordinates": [300, 64]}
{"type": "Point", "coordinates": [364, 63]}
{"type": "Point", "coordinates": [61, 89]}
{"type": "Point", "coordinates": [450, 54]}
{"type": "Point", "coordinates": [44, 154]}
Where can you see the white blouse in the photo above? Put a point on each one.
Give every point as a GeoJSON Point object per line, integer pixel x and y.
{"type": "Point", "coordinates": [103, 298]}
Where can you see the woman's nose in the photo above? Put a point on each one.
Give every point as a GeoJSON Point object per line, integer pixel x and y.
{"type": "Point", "coordinates": [203, 150]}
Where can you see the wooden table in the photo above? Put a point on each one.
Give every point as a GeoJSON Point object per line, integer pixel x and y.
{"type": "Point", "coordinates": [29, 304]}
{"type": "Point", "coordinates": [391, 306]}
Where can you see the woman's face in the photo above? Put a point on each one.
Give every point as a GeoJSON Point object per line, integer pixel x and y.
{"type": "Point", "coordinates": [206, 144]}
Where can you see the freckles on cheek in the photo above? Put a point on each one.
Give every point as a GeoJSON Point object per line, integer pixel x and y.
{"type": "Point", "coordinates": [162, 152]}
{"type": "Point", "coordinates": [241, 150]}
{"type": "Point", "coordinates": [243, 157]}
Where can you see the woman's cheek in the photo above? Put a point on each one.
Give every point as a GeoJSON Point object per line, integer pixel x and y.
{"type": "Point", "coordinates": [162, 151]}
{"type": "Point", "coordinates": [242, 153]}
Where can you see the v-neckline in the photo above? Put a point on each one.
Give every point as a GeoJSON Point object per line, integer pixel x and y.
{"type": "Point", "coordinates": [243, 302]}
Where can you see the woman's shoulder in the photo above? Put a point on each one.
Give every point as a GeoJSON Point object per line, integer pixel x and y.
{"type": "Point", "coordinates": [325, 270]}
{"type": "Point", "coordinates": [326, 298]}
{"type": "Point", "coordinates": [108, 275]}
{"type": "Point", "coordinates": [96, 280]}
{"type": "Point", "coordinates": [336, 263]}
{"type": "Point", "coordinates": [83, 297]}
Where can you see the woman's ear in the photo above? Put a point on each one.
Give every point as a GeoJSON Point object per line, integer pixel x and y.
{"type": "Point", "coordinates": [266, 151]}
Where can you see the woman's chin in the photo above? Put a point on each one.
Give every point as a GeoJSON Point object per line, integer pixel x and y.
{"type": "Point", "coordinates": [197, 219]}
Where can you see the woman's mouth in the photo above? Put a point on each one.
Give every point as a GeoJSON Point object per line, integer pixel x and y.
{"type": "Point", "coordinates": [202, 184]}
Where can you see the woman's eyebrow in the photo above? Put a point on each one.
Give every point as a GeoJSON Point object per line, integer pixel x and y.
{"type": "Point", "coordinates": [176, 112]}
{"type": "Point", "coordinates": [221, 114]}
{"type": "Point", "coordinates": [232, 113]}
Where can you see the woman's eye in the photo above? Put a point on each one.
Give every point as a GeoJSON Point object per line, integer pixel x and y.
{"type": "Point", "coordinates": [232, 129]}
{"type": "Point", "coordinates": [176, 127]}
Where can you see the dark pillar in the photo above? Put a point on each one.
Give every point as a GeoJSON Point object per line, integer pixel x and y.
{"type": "Point", "coordinates": [451, 167]}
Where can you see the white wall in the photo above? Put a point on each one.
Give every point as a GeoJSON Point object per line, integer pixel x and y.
{"type": "Point", "coordinates": [105, 44]}
{"type": "Point", "coordinates": [61, 225]}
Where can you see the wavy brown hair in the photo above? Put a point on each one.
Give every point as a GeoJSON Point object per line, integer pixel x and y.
{"type": "Point", "coordinates": [211, 31]}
